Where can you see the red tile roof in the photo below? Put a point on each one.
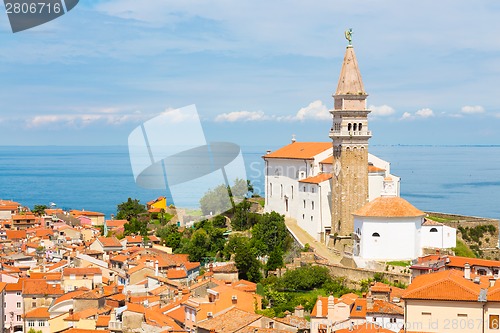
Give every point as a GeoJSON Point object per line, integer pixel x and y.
{"type": "Point", "coordinates": [359, 308]}
{"type": "Point", "coordinates": [81, 271]}
{"type": "Point", "coordinates": [15, 234]}
{"type": "Point", "coordinates": [317, 179]}
{"type": "Point", "coordinates": [38, 313]}
{"type": "Point", "coordinates": [447, 285]}
{"type": "Point", "coordinates": [300, 150]}
{"type": "Point", "coordinates": [229, 322]}
{"type": "Point", "coordinates": [115, 223]}
{"type": "Point", "coordinates": [109, 242]}
{"type": "Point", "coordinates": [41, 287]}
{"type": "Point", "coordinates": [461, 261]}
{"type": "Point", "coordinates": [176, 274]}
{"type": "Point", "coordinates": [389, 207]}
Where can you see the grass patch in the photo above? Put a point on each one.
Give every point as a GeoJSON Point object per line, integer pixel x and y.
{"type": "Point", "coordinates": [462, 250]}
{"type": "Point", "coordinates": [439, 219]}
{"type": "Point", "coordinates": [399, 263]}
{"type": "Point", "coordinates": [194, 212]}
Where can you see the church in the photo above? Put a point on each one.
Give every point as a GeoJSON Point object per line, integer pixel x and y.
{"type": "Point", "coordinates": [333, 189]}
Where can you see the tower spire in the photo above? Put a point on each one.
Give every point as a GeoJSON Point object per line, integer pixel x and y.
{"type": "Point", "coordinates": [350, 82]}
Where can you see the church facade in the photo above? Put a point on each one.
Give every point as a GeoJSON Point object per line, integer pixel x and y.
{"type": "Point", "coordinates": [338, 191]}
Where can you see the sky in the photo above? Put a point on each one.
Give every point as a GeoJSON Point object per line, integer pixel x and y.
{"type": "Point", "coordinates": [257, 71]}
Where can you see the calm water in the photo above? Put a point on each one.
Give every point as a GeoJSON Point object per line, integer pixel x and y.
{"type": "Point", "coordinates": [458, 179]}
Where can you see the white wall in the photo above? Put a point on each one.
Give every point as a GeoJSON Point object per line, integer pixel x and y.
{"type": "Point", "coordinates": [399, 237]}
{"type": "Point", "coordinates": [444, 238]}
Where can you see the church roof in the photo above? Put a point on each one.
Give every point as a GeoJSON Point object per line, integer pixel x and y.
{"type": "Point", "coordinates": [389, 207]}
{"type": "Point", "coordinates": [350, 82]}
{"type": "Point", "coordinates": [317, 179]}
{"type": "Point", "coordinates": [300, 150]}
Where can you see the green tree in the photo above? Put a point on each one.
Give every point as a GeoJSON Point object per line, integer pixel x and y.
{"type": "Point", "coordinates": [306, 278]}
{"type": "Point", "coordinates": [275, 260]}
{"type": "Point", "coordinates": [32, 330]}
{"type": "Point", "coordinates": [135, 227]}
{"type": "Point", "coordinates": [198, 245]}
{"type": "Point", "coordinates": [129, 209]}
{"type": "Point", "coordinates": [240, 188]}
{"type": "Point", "coordinates": [170, 236]}
{"type": "Point", "coordinates": [215, 201]}
{"type": "Point", "coordinates": [246, 261]}
{"type": "Point", "coordinates": [39, 210]}
{"type": "Point", "coordinates": [243, 218]}
{"type": "Point", "coordinates": [271, 232]}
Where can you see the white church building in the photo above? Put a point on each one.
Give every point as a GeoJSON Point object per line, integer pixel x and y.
{"type": "Point", "coordinates": [390, 228]}
{"type": "Point", "coordinates": [298, 184]}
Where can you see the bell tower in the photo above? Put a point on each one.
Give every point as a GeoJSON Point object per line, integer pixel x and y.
{"type": "Point", "coordinates": [350, 136]}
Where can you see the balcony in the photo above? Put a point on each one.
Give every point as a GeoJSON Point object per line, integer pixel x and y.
{"type": "Point", "coordinates": [350, 133]}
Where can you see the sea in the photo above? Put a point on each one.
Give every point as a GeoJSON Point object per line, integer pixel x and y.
{"type": "Point", "coordinates": [461, 180]}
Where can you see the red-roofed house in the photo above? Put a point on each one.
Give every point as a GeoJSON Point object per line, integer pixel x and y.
{"type": "Point", "coordinates": [78, 277]}
{"type": "Point", "coordinates": [106, 244]}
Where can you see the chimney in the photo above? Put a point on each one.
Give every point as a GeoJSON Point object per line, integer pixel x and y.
{"type": "Point", "coordinates": [299, 311]}
{"type": "Point", "coordinates": [331, 304]}
{"type": "Point", "coordinates": [492, 282]}
{"type": "Point", "coordinates": [319, 308]}
{"type": "Point", "coordinates": [467, 271]}
{"type": "Point", "coordinates": [156, 267]}
{"type": "Point", "coordinates": [268, 152]}
{"type": "Point", "coordinates": [293, 138]}
{"type": "Point", "coordinates": [70, 312]}
{"type": "Point", "coordinates": [369, 302]}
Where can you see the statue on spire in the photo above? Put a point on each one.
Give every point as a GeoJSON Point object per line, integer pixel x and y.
{"type": "Point", "coordinates": [348, 36]}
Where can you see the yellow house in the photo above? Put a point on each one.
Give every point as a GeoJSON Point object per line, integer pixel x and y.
{"type": "Point", "coordinates": [157, 204]}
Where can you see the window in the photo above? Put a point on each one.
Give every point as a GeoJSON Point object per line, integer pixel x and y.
{"type": "Point", "coordinates": [355, 127]}
{"type": "Point", "coordinates": [18, 293]}
{"type": "Point", "coordinates": [311, 218]}
{"type": "Point", "coordinates": [461, 315]}
{"type": "Point", "coordinates": [304, 188]}
{"type": "Point", "coordinates": [360, 127]}
{"type": "Point", "coordinates": [312, 205]}
{"type": "Point", "coordinates": [426, 313]}
{"type": "Point", "coordinates": [4, 304]}
{"type": "Point", "coordinates": [18, 318]}
{"type": "Point", "coordinates": [292, 191]}
{"type": "Point", "coordinates": [434, 230]}
{"type": "Point", "coordinates": [375, 234]}
{"type": "Point", "coordinates": [312, 189]}
{"type": "Point", "coordinates": [270, 189]}
{"type": "Point", "coordinates": [33, 304]}
{"type": "Point", "coordinates": [494, 322]}
{"type": "Point", "coordinates": [18, 305]}
{"type": "Point", "coordinates": [41, 323]}
{"type": "Point", "coordinates": [359, 307]}
{"type": "Point", "coordinates": [303, 216]}
{"type": "Point", "coordinates": [304, 204]}
{"type": "Point", "coordinates": [349, 127]}
{"type": "Point", "coordinates": [281, 191]}
{"type": "Point", "coordinates": [31, 323]}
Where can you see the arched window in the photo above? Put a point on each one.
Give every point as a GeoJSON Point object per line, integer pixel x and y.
{"type": "Point", "coordinates": [434, 230]}
{"type": "Point", "coordinates": [375, 234]}
{"type": "Point", "coordinates": [349, 127]}
{"type": "Point", "coordinates": [355, 127]}
{"type": "Point", "coordinates": [360, 126]}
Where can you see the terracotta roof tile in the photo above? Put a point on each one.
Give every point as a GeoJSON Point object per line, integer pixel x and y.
{"type": "Point", "coordinates": [317, 179]}
{"type": "Point", "coordinates": [15, 234]}
{"type": "Point", "coordinates": [41, 287]}
{"type": "Point", "coordinates": [455, 261]}
{"type": "Point", "coordinates": [445, 285]}
{"type": "Point", "coordinates": [38, 313]}
{"type": "Point", "coordinates": [81, 271]}
{"type": "Point", "coordinates": [102, 321]}
{"type": "Point", "coordinates": [227, 268]}
{"type": "Point", "coordinates": [109, 242]}
{"type": "Point", "coordinates": [359, 308]}
{"type": "Point", "coordinates": [176, 274]}
{"type": "Point", "coordinates": [389, 207]}
{"type": "Point", "coordinates": [383, 307]}
{"type": "Point", "coordinates": [300, 150]}
{"type": "Point", "coordinates": [230, 321]}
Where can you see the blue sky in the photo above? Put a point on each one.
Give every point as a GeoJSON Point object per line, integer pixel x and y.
{"type": "Point", "coordinates": [258, 71]}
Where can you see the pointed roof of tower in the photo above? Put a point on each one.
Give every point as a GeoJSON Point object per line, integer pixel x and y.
{"type": "Point", "coordinates": [350, 82]}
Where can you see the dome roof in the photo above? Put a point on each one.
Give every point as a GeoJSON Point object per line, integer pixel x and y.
{"type": "Point", "coordinates": [389, 207]}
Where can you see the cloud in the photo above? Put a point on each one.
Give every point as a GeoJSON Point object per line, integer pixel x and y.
{"type": "Point", "coordinates": [420, 114]}
{"type": "Point", "coordinates": [472, 109]}
{"type": "Point", "coordinates": [241, 116]}
{"type": "Point", "coordinates": [382, 110]}
{"type": "Point", "coordinates": [424, 113]}
{"type": "Point", "coordinates": [316, 110]}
